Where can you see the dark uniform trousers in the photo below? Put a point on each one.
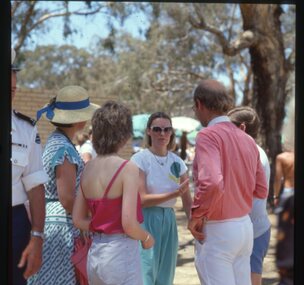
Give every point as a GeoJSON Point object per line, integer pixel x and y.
{"type": "Point", "coordinates": [21, 235]}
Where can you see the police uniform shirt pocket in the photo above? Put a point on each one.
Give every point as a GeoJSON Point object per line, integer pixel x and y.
{"type": "Point", "coordinates": [19, 158]}
{"type": "Point", "coordinates": [19, 162]}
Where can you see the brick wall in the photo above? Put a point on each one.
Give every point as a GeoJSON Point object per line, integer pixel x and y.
{"type": "Point", "coordinates": [28, 101]}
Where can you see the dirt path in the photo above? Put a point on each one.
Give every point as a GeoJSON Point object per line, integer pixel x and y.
{"type": "Point", "coordinates": [185, 271]}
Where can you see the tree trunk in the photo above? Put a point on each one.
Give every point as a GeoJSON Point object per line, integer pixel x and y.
{"type": "Point", "coordinates": [270, 74]}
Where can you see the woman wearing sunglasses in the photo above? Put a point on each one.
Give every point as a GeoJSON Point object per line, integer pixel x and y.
{"type": "Point", "coordinates": [163, 178]}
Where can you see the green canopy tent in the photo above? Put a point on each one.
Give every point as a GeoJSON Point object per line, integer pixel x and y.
{"type": "Point", "coordinates": [139, 125]}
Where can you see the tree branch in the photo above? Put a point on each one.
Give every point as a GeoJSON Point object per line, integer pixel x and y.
{"type": "Point", "coordinates": [25, 31]}
{"type": "Point", "coordinates": [15, 6]}
{"type": "Point", "coordinates": [197, 75]}
{"type": "Point", "coordinates": [245, 40]}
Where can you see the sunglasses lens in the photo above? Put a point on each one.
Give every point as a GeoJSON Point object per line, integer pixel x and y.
{"type": "Point", "coordinates": [159, 129]}
{"type": "Point", "coordinates": [156, 129]}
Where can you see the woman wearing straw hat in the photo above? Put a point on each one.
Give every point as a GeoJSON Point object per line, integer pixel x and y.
{"type": "Point", "coordinates": [68, 112]}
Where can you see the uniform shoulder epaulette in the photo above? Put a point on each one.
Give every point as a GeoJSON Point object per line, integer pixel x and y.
{"type": "Point", "coordinates": [25, 118]}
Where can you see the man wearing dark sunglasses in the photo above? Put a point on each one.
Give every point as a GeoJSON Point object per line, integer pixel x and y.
{"type": "Point", "coordinates": [227, 173]}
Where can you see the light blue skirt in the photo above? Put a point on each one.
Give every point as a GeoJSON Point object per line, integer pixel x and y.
{"type": "Point", "coordinates": [159, 262]}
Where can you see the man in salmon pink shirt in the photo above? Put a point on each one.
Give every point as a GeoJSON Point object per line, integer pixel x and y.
{"type": "Point", "coordinates": [227, 173]}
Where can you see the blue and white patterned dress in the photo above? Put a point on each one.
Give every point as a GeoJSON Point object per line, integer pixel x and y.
{"type": "Point", "coordinates": [59, 230]}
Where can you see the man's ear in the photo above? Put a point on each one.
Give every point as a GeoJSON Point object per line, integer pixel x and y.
{"type": "Point", "coordinates": [199, 104]}
{"type": "Point", "coordinates": [243, 127]}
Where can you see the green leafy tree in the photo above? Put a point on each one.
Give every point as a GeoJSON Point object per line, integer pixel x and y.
{"type": "Point", "coordinates": [52, 67]}
{"type": "Point", "coordinates": [269, 62]}
{"type": "Point", "coordinates": [252, 45]}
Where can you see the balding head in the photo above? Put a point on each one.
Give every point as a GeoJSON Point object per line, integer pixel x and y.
{"type": "Point", "coordinates": [213, 95]}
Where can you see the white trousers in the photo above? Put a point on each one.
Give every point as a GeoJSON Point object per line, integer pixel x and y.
{"type": "Point", "coordinates": [224, 256]}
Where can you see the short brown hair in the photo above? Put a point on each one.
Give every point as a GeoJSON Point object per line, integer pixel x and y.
{"type": "Point", "coordinates": [248, 116]}
{"type": "Point", "coordinates": [111, 127]}
{"type": "Point", "coordinates": [213, 95]}
{"type": "Point", "coordinates": [157, 115]}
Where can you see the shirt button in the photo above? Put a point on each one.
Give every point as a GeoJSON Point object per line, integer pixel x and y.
{"type": "Point", "coordinates": [15, 160]}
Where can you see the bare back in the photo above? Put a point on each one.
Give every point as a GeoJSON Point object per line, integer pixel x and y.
{"type": "Point", "coordinates": [284, 171]}
{"type": "Point", "coordinates": [285, 168]}
{"type": "Point", "coordinates": [97, 175]}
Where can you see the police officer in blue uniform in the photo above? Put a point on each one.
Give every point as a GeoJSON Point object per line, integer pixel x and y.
{"type": "Point", "coordinates": [28, 177]}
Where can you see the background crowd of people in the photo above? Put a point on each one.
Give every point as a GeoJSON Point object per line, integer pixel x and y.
{"type": "Point", "coordinates": [128, 205]}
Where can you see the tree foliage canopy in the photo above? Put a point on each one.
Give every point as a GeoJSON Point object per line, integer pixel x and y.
{"type": "Point", "coordinates": [176, 43]}
{"type": "Point", "coordinates": [249, 46]}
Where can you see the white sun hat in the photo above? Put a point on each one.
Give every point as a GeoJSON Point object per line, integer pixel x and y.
{"type": "Point", "coordinates": [71, 105]}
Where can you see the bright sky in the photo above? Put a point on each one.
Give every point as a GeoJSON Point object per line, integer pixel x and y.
{"type": "Point", "coordinates": [88, 29]}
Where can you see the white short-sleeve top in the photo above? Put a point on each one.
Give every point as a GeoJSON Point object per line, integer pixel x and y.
{"type": "Point", "coordinates": [162, 172]}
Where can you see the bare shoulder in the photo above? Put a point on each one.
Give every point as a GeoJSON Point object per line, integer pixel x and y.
{"type": "Point", "coordinates": [132, 167]}
{"type": "Point", "coordinates": [130, 173]}
{"type": "Point", "coordinates": [285, 156]}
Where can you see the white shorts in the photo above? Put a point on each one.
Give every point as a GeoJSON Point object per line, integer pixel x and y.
{"type": "Point", "coordinates": [114, 259]}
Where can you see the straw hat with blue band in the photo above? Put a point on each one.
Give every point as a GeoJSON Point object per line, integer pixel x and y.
{"type": "Point", "coordinates": [71, 105]}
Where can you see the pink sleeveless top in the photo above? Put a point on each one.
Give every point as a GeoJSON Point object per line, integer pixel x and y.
{"type": "Point", "coordinates": [106, 213]}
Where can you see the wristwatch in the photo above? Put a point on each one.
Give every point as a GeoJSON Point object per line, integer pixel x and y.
{"type": "Point", "coordinates": [38, 234]}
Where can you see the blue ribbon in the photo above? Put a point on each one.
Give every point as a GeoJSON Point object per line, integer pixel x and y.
{"type": "Point", "coordinates": [49, 109]}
